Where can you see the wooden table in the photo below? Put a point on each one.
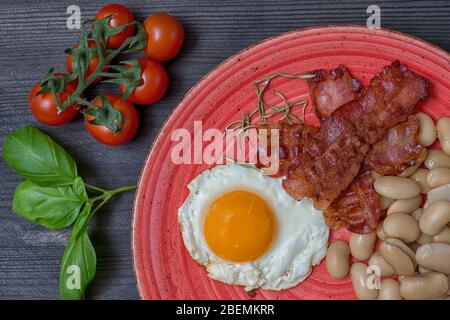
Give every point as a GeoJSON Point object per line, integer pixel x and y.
{"type": "Point", "coordinates": [33, 36]}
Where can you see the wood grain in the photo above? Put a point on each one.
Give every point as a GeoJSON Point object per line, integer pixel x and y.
{"type": "Point", "coordinates": [33, 35]}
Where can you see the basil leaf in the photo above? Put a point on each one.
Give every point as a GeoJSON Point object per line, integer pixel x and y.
{"type": "Point", "coordinates": [51, 207]}
{"type": "Point", "coordinates": [36, 157]}
{"type": "Point", "coordinates": [79, 261]}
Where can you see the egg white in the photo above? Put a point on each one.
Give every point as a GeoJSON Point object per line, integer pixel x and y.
{"type": "Point", "coordinates": [300, 241]}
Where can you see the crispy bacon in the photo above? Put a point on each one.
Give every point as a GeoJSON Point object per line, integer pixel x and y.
{"type": "Point", "coordinates": [390, 98]}
{"type": "Point", "coordinates": [397, 151]}
{"type": "Point", "coordinates": [357, 208]}
{"type": "Point", "coordinates": [348, 132]}
{"type": "Point", "coordinates": [331, 90]}
{"type": "Point", "coordinates": [325, 177]}
{"type": "Point", "coordinates": [297, 143]}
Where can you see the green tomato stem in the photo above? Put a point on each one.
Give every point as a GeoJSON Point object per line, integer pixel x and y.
{"type": "Point", "coordinates": [84, 83]}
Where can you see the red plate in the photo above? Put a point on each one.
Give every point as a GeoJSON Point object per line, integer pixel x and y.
{"type": "Point", "coordinates": [163, 267]}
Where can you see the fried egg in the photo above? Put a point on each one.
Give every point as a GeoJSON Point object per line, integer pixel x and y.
{"type": "Point", "coordinates": [246, 230]}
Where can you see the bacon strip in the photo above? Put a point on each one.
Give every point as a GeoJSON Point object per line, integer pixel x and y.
{"type": "Point", "coordinates": [331, 90]}
{"type": "Point", "coordinates": [348, 132]}
{"type": "Point", "coordinates": [297, 143]}
{"type": "Point", "coordinates": [397, 151]}
{"type": "Point", "coordinates": [357, 208]}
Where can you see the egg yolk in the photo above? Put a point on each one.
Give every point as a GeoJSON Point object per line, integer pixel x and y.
{"type": "Point", "coordinates": [239, 226]}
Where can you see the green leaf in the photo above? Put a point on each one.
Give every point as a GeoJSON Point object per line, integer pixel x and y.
{"type": "Point", "coordinates": [106, 115]}
{"type": "Point", "coordinates": [79, 262]}
{"type": "Point", "coordinates": [51, 207]}
{"type": "Point", "coordinates": [129, 76]}
{"type": "Point", "coordinates": [56, 83]}
{"type": "Point", "coordinates": [102, 30]}
{"type": "Point", "coordinates": [36, 157]}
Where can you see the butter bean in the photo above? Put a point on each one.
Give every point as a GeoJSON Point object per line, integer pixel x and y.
{"type": "Point", "coordinates": [402, 226]}
{"type": "Point", "coordinates": [390, 290]}
{"type": "Point", "coordinates": [434, 256]}
{"type": "Point", "coordinates": [437, 158]}
{"type": "Point", "coordinates": [427, 132]}
{"type": "Point", "coordinates": [337, 260]}
{"type": "Point", "coordinates": [405, 205]}
{"type": "Point", "coordinates": [397, 187]}
{"type": "Point", "coordinates": [429, 286]}
{"type": "Point", "coordinates": [361, 245]}
{"type": "Point", "coordinates": [359, 276]}
{"type": "Point", "coordinates": [443, 132]}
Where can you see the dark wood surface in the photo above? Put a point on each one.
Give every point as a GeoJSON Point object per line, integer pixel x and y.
{"type": "Point", "coordinates": [33, 35]}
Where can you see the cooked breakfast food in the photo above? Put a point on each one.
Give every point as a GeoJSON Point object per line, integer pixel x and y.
{"type": "Point", "coordinates": [397, 150]}
{"type": "Point", "coordinates": [247, 231]}
{"type": "Point", "coordinates": [331, 90]}
{"type": "Point", "coordinates": [415, 236]}
{"type": "Point", "coordinates": [366, 167]}
{"type": "Point", "coordinates": [350, 130]}
{"type": "Point", "coordinates": [357, 208]}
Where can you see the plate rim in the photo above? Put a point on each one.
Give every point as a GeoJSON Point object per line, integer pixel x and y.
{"type": "Point", "coordinates": [151, 151]}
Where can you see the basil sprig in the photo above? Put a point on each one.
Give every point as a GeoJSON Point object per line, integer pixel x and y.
{"type": "Point", "coordinates": [54, 196]}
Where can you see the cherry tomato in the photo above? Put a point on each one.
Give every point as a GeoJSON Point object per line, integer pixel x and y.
{"type": "Point", "coordinates": [93, 63]}
{"type": "Point", "coordinates": [120, 15]}
{"type": "Point", "coordinates": [165, 36]}
{"type": "Point", "coordinates": [154, 82]}
{"type": "Point", "coordinates": [43, 106]}
{"type": "Point", "coordinates": [130, 122]}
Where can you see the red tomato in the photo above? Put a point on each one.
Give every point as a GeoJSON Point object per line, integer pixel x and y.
{"type": "Point", "coordinates": [43, 106]}
{"type": "Point", "coordinates": [129, 127]}
{"type": "Point", "coordinates": [165, 36]}
{"type": "Point", "coordinates": [120, 15]}
{"type": "Point", "coordinates": [93, 63]}
{"type": "Point", "coordinates": [154, 82]}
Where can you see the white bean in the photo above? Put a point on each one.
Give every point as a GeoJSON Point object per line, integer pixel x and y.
{"type": "Point", "coordinates": [337, 260]}
{"type": "Point", "coordinates": [429, 286]}
{"type": "Point", "coordinates": [427, 132]}
{"type": "Point", "coordinates": [389, 290]}
{"type": "Point", "coordinates": [437, 159]}
{"type": "Point", "coordinates": [380, 232]}
{"type": "Point", "coordinates": [438, 177]}
{"type": "Point", "coordinates": [405, 205]}
{"type": "Point", "coordinates": [443, 131]}
{"type": "Point", "coordinates": [385, 268]}
{"type": "Point", "coordinates": [443, 236]}
{"type": "Point", "coordinates": [420, 176]}
{"type": "Point", "coordinates": [361, 245]}
{"type": "Point", "coordinates": [435, 217]}
{"type": "Point", "coordinates": [436, 194]}
{"type": "Point", "coordinates": [402, 226]}
{"type": "Point", "coordinates": [398, 258]}
{"type": "Point", "coordinates": [359, 276]}
{"type": "Point", "coordinates": [396, 187]}
{"type": "Point", "coordinates": [434, 256]}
